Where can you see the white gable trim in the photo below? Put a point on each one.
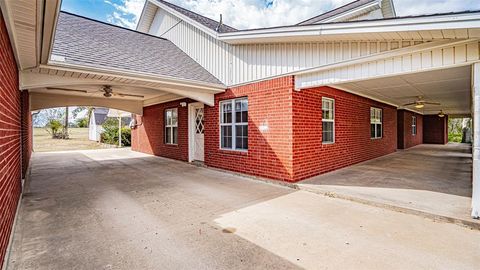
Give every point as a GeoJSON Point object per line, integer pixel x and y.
{"type": "Point", "coordinates": [185, 18]}
{"type": "Point", "coordinates": [353, 12]}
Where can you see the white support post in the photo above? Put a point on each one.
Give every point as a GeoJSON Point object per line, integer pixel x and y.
{"type": "Point", "coordinates": [476, 140]}
{"type": "Point", "coordinates": [120, 131]}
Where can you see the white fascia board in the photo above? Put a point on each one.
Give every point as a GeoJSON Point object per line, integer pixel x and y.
{"type": "Point", "coordinates": [141, 76]}
{"type": "Point", "coordinates": [440, 22]}
{"type": "Point", "coordinates": [49, 28]}
{"type": "Point", "coordinates": [186, 19]}
{"type": "Point", "coordinates": [352, 13]}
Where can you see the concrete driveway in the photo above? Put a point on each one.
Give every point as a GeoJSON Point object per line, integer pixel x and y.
{"type": "Point", "coordinates": [116, 209]}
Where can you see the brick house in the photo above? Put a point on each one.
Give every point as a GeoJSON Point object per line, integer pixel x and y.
{"type": "Point", "coordinates": [285, 103]}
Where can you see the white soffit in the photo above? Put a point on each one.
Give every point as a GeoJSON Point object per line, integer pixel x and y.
{"type": "Point", "coordinates": [450, 87]}
{"type": "Point", "coordinates": [21, 19]}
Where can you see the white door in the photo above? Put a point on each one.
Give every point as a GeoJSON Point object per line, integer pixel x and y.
{"type": "Point", "coordinates": [198, 132]}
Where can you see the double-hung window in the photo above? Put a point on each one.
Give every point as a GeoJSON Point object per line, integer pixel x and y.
{"type": "Point", "coordinates": [375, 123]}
{"type": "Point", "coordinates": [414, 125]}
{"type": "Point", "coordinates": [171, 126]}
{"type": "Point", "coordinates": [234, 124]}
{"type": "Point", "coordinates": [328, 120]}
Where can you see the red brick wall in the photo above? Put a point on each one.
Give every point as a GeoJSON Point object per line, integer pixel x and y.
{"type": "Point", "coordinates": [291, 148]}
{"type": "Point", "coordinates": [10, 139]}
{"type": "Point", "coordinates": [27, 132]}
{"type": "Point", "coordinates": [149, 138]}
{"type": "Point", "coordinates": [404, 129]}
{"type": "Point", "coordinates": [435, 129]}
{"type": "Point", "coordinates": [352, 132]}
{"type": "Point", "coordinates": [269, 152]}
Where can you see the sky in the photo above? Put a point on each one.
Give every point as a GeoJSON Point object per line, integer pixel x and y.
{"type": "Point", "coordinates": [247, 14]}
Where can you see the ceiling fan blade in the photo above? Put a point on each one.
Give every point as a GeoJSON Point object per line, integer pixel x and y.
{"type": "Point", "coordinates": [408, 104]}
{"type": "Point", "coordinates": [432, 103]}
{"type": "Point", "coordinates": [128, 95]}
{"type": "Point", "coordinates": [66, 89]}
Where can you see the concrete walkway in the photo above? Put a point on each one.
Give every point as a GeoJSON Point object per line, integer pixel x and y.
{"type": "Point", "coordinates": [430, 180]}
{"type": "Point", "coordinates": [116, 209]}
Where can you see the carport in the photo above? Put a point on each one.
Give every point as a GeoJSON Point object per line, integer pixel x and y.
{"type": "Point", "coordinates": [446, 72]}
{"type": "Point", "coordinates": [436, 180]}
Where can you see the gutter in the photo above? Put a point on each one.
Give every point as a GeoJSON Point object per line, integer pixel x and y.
{"type": "Point", "coordinates": [434, 22]}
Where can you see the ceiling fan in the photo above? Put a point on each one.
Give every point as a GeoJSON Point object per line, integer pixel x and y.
{"type": "Point", "coordinates": [420, 103]}
{"type": "Point", "coordinates": [106, 89]}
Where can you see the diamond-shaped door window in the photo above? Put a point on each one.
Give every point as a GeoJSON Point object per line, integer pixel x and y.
{"type": "Point", "coordinates": [199, 127]}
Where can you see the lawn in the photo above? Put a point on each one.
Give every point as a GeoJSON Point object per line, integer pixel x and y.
{"type": "Point", "coordinates": [43, 142]}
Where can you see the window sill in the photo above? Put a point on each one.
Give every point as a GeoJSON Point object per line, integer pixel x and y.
{"type": "Point", "coordinates": [328, 143]}
{"type": "Point", "coordinates": [234, 152]}
{"type": "Point", "coordinates": [374, 139]}
{"type": "Point", "coordinates": [171, 144]}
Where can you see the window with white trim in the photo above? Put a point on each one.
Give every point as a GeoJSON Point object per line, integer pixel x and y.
{"type": "Point", "coordinates": [328, 120]}
{"type": "Point", "coordinates": [375, 123]}
{"type": "Point", "coordinates": [171, 126]}
{"type": "Point", "coordinates": [414, 125]}
{"type": "Point", "coordinates": [234, 124]}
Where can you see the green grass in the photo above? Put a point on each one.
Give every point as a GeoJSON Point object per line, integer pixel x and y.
{"type": "Point", "coordinates": [455, 137]}
{"type": "Point", "coordinates": [43, 142]}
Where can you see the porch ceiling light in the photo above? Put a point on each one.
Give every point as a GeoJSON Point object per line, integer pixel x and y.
{"type": "Point", "coordinates": [419, 105]}
{"type": "Point", "coordinates": [441, 114]}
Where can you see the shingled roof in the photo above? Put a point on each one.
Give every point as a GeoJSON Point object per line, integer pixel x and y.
{"type": "Point", "coordinates": [87, 42]}
{"type": "Point", "coordinates": [335, 12]}
{"type": "Point", "coordinates": [212, 24]}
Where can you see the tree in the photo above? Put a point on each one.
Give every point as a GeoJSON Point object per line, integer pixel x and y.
{"type": "Point", "coordinates": [53, 127]}
{"type": "Point", "coordinates": [80, 109]}
{"type": "Point", "coordinates": [82, 122]}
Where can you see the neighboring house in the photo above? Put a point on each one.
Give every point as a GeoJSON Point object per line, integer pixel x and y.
{"type": "Point", "coordinates": [95, 129]}
{"type": "Point", "coordinates": [284, 103]}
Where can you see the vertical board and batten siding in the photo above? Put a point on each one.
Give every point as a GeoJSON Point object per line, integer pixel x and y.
{"type": "Point", "coordinates": [253, 62]}
{"type": "Point", "coordinates": [239, 64]}
{"type": "Point", "coordinates": [448, 56]}
{"type": "Point", "coordinates": [206, 50]}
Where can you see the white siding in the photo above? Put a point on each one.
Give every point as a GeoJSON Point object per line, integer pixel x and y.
{"type": "Point", "coordinates": [446, 57]}
{"type": "Point", "coordinates": [203, 48]}
{"type": "Point", "coordinates": [257, 61]}
{"type": "Point", "coordinates": [238, 64]}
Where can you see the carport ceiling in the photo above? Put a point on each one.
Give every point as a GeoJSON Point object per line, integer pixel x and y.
{"type": "Point", "coordinates": [449, 87]}
{"type": "Point", "coordinates": [95, 91]}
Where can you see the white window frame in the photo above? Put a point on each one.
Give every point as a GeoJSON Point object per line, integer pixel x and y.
{"type": "Point", "coordinates": [171, 126]}
{"type": "Point", "coordinates": [329, 120]}
{"type": "Point", "coordinates": [376, 122]}
{"type": "Point", "coordinates": [414, 125]}
{"type": "Point", "coordinates": [232, 124]}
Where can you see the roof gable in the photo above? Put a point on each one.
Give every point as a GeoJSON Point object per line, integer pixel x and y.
{"type": "Point", "coordinates": [354, 10]}
{"type": "Point", "coordinates": [86, 42]}
{"type": "Point", "coordinates": [207, 22]}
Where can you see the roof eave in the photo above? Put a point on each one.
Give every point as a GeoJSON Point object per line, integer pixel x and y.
{"type": "Point", "coordinates": [346, 13]}
{"type": "Point", "coordinates": [353, 12]}
{"type": "Point", "coordinates": [431, 22]}
{"type": "Point", "coordinates": [135, 75]}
